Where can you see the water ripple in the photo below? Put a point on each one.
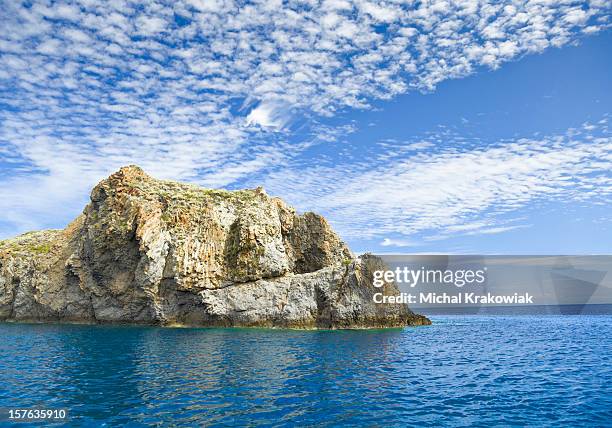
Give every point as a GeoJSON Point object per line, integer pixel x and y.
{"type": "Point", "coordinates": [462, 371]}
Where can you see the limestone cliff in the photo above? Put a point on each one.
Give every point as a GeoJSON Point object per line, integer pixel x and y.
{"type": "Point", "coordinates": [160, 252]}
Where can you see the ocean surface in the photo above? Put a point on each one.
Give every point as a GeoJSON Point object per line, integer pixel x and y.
{"type": "Point", "coordinates": [474, 370]}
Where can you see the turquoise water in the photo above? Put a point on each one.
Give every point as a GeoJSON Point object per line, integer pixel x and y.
{"type": "Point", "coordinates": [462, 371]}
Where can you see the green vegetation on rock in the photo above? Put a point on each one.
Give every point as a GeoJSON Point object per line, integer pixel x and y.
{"type": "Point", "coordinates": [159, 252]}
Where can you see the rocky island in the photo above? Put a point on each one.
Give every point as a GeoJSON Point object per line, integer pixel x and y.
{"type": "Point", "coordinates": [148, 251]}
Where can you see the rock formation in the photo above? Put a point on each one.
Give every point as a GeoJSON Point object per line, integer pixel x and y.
{"type": "Point", "coordinates": [160, 252]}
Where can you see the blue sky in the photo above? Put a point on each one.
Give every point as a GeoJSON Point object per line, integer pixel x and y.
{"type": "Point", "coordinates": [464, 127]}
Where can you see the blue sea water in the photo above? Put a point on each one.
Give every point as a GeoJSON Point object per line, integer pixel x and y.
{"type": "Point", "coordinates": [478, 370]}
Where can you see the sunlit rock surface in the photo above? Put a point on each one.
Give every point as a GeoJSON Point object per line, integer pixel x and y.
{"type": "Point", "coordinates": [160, 252]}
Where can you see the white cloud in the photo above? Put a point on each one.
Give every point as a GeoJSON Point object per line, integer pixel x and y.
{"type": "Point", "coordinates": [205, 90]}
{"type": "Point", "coordinates": [268, 115]}
{"type": "Point", "coordinates": [452, 191]}
{"type": "Point", "coordinates": [389, 242]}
{"type": "Point", "coordinates": [150, 25]}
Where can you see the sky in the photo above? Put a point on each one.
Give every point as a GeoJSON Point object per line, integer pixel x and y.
{"type": "Point", "coordinates": [467, 127]}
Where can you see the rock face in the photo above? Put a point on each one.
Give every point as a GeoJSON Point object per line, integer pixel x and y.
{"type": "Point", "coordinates": [159, 252]}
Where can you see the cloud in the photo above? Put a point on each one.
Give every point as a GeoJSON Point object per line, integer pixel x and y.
{"type": "Point", "coordinates": [208, 91]}
{"type": "Point", "coordinates": [454, 189]}
{"type": "Point", "coordinates": [268, 115]}
{"type": "Point", "coordinates": [389, 242]}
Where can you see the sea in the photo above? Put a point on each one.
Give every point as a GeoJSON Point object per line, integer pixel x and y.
{"type": "Point", "coordinates": [482, 369]}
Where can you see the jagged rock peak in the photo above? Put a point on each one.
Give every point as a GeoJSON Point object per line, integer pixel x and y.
{"type": "Point", "coordinates": [156, 251]}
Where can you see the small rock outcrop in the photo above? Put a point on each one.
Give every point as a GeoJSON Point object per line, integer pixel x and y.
{"type": "Point", "coordinates": [160, 252]}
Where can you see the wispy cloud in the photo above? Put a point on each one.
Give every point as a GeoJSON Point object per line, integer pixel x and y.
{"type": "Point", "coordinates": [391, 242]}
{"type": "Point", "coordinates": [268, 115]}
{"type": "Point", "coordinates": [452, 190]}
{"type": "Point", "coordinates": [207, 90]}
